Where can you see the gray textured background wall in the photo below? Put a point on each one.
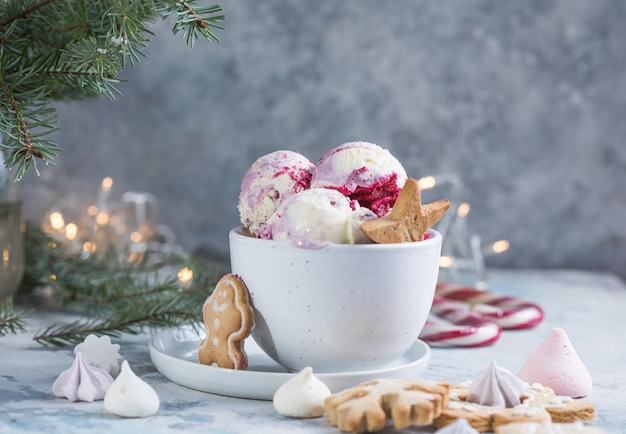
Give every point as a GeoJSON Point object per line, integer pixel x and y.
{"type": "Point", "coordinates": [524, 100]}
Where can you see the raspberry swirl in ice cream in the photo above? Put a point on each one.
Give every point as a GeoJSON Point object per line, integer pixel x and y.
{"type": "Point", "coordinates": [364, 172]}
{"type": "Point", "coordinates": [271, 179]}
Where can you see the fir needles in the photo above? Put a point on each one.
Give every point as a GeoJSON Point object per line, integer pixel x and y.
{"type": "Point", "coordinates": [66, 49]}
{"type": "Point", "coordinates": [112, 297]}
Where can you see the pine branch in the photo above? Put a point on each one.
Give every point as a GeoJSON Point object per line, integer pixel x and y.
{"type": "Point", "coordinates": [128, 319]}
{"type": "Point", "coordinates": [11, 322]}
{"type": "Point", "coordinates": [81, 52]}
{"type": "Point", "coordinates": [194, 22]}
{"type": "Point", "coordinates": [118, 298]}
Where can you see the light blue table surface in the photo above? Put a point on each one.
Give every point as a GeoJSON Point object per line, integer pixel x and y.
{"type": "Point", "coordinates": [590, 306]}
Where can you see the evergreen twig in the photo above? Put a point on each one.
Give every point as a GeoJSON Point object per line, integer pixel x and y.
{"type": "Point", "coordinates": [125, 319]}
{"type": "Point", "coordinates": [68, 49]}
{"type": "Point", "coordinates": [11, 322]}
{"type": "Point", "coordinates": [117, 297]}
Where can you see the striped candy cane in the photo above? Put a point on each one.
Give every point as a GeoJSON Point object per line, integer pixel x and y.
{"type": "Point", "coordinates": [453, 324]}
{"type": "Point", "coordinates": [507, 311]}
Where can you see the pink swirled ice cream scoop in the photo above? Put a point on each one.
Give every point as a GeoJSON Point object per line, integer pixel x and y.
{"type": "Point", "coordinates": [271, 179]}
{"type": "Point", "coordinates": [364, 172]}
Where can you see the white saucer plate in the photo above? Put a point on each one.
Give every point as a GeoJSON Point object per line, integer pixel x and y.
{"type": "Point", "coordinates": [174, 352]}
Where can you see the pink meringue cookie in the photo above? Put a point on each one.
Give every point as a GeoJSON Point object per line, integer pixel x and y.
{"type": "Point", "coordinates": [82, 382]}
{"type": "Point", "coordinates": [556, 364]}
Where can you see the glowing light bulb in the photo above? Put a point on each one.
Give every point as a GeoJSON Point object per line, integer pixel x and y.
{"type": "Point", "coordinates": [427, 182]}
{"type": "Point", "coordinates": [136, 237]}
{"type": "Point", "coordinates": [102, 218]}
{"type": "Point", "coordinates": [71, 230]}
{"type": "Point", "coordinates": [56, 220]}
{"type": "Point", "coordinates": [89, 247]}
{"type": "Point", "coordinates": [500, 246]}
{"type": "Point", "coordinates": [92, 210]}
{"type": "Point", "coordinates": [6, 256]}
{"type": "Point", "coordinates": [463, 209]}
{"type": "Point", "coordinates": [185, 275]}
{"type": "Point", "coordinates": [445, 261]}
{"type": "Point", "coordinates": [107, 183]}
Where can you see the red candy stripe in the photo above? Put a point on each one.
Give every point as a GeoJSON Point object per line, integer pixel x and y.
{"type": "Point", "coordinates": [462, 316]}
{"type": "Point", "coordinates": [453, 324]}
{"type": "Point", "coordinates": [507, 311]}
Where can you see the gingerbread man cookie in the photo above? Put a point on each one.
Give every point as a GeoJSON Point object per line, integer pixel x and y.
{"type": "Point", "coordinates": [229, 319]}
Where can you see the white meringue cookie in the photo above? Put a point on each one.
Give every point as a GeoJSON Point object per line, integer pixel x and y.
{"type": "Point", "coordinates": [497, 387]}
{"type": "Point", "coordinates": [130, 396]}
{"type": "Point", "coordinates": [301, 396]}
{"type": "Point", "coordinates": [101, 353]}
{"type": "Point", "coordinates": [82, 382]}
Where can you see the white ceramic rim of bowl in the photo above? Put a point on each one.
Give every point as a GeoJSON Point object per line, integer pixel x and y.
{"type": "Point", "coordinates": [238, 231]}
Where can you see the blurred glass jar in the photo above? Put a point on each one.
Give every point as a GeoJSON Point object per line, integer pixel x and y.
{"type": "Point", "coordinates": [11, 232]}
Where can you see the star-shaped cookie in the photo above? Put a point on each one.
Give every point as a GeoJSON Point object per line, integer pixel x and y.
{"type": "Point", "coordinates": [408, 220]}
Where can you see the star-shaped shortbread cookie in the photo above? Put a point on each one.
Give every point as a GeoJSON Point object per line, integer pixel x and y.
{"type": "Point", "coordinates": [408, 220]}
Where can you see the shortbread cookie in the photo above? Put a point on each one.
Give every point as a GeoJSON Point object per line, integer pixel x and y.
{"type": "Point", "coordinates": [562, 409]}
{"type": "Point", "coordinates": [460, 391]}
{"type": "Point", "coordinates": [539, 405]}
{"type": "Point", "coordinates": [547, 428]}
{"type": "Point", "coordinates": [229, 319]}
{"type": "Point", "coordinates": [366, 407]}
{"type": "Point", "coordinates": [484, 418]}
{"type": "Point", "coordinates": [408, 220]}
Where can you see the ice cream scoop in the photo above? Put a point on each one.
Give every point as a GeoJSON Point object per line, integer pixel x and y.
{"type": "Point", "coordinates": [271, 179]}
{"type": "Point", "coordinates": [315, 217]}
{"type": "Point", "coordinates": [364, 172]}
{"type": "Point", "coordinates": [556, 364]}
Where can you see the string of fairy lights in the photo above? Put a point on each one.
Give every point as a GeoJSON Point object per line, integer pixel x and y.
{"type": "Point", "coordinates": [463, 253]}
{"type": "Point", "coordinates": [130, 226]}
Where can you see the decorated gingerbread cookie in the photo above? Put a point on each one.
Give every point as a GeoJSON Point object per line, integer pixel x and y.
{"type": "Point", "coordinates": [229, 319]}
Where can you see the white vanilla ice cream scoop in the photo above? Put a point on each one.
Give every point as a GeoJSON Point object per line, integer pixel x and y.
{"type": "Point", "coordinates": [301, 396]}
{"type": "Point", "coordinates": [364, 172]}
{"type": "Point", "coordinates": [316, 217]}
{"type": "Point", "coordinates": [130, 396]}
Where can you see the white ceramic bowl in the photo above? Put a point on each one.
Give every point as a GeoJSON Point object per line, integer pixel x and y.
{"type": "Point", "coordinates": [339, 308]}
